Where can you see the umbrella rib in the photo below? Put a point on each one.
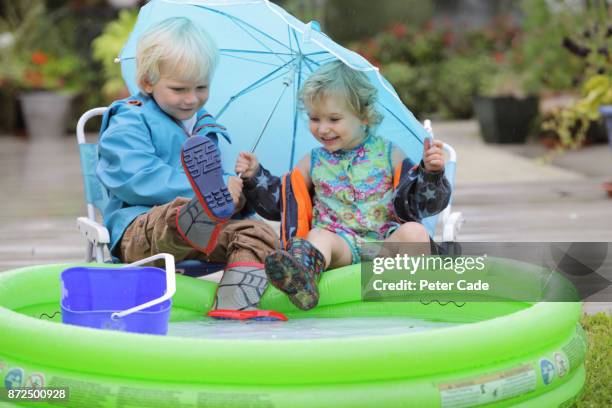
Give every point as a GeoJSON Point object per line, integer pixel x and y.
{"type": "Point", "coordinates": [319, 63]}
{"type": "Point", "coordinates": [295, 115]}
{"type": "Point", "coordinates": [271, 79]}
{"type": "Point", "coordinates": [306, 62]}
{"type": "Point", "coordinates": [252, 86]}
{"type": "Point", "coordinates": [286, 84]}
{"type": "Point", "coordinates": [297, 42]}
{"type": "Point", "coordinates": [316, 53]}
{"type": "Point", "coordinates": [238, 22]}
{"type": "Point", "coordinates": [222, 50]}
{"type": "Point", "coordinates": [252, 60]}
{"type": "Point", "coordinates": [403, 124]}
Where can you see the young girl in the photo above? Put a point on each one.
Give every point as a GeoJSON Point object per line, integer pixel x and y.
{"type": "Point", "coordinates": [363, 188]}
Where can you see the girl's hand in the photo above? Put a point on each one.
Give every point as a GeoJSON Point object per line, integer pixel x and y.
{"type": "Point", "coordinates": [247, 165]}
{"type": "Point", "coordinates": [433, 158]}
{"type": "Point", "coordinates": [234, 186]}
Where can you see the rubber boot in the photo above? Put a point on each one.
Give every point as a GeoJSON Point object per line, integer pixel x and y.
{"type": "Point", "coordinates": [202, 163]}
{"type": "Point", "coordinates": [199, 221]}
{"type": "Point", "coordinates": [196, 227]}
{"type": "Point", "coordinates": [296, 272]}
{"type": "Point", "coordinates": [241, 287]}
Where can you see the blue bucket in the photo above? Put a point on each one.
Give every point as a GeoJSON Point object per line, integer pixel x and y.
{"type": "Point", "coordinates": [91, 295]}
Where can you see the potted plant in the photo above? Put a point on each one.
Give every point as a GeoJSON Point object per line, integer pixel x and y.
{"type": "Point", "coordinates": [48, 85]}
{"type": "Point", "coordinates": [505, 111]}
{"type": "Point", "coordinates": [41, 65]}
{"type": "Point", "coordinates": [583, 34]}
{"type": "Point", "coordinates": [572, 123]}
{"type": "Point", "coordinates": [8, 71]}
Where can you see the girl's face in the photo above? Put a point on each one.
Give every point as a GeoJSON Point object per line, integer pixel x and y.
{"type": "Point", "coordinates": [334, 125]}
{"type": "Point", "coordinates": [179, 99]}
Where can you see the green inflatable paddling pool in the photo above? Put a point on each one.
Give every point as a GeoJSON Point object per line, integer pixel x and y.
{"type": "Point", "coordinates": [344, 353]}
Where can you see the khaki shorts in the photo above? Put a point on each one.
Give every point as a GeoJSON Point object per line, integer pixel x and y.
{"type": "Point", "coordinates": [155, 232]}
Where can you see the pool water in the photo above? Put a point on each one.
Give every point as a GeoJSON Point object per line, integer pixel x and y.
{"type": "Point", "coordinates": [300, 329]}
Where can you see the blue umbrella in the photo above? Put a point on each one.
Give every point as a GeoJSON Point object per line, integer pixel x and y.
{"type": "Point", "coordinates": [265, 56]}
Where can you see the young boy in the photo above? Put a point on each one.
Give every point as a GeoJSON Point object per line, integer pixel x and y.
{"type": "Point", "coordinates": [159, 147]}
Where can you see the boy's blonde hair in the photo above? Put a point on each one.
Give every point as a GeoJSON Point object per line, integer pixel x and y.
{"type": "Point", "coordinates": [336, 78]}
{"type": "Point", "coordinates": [185, 51]}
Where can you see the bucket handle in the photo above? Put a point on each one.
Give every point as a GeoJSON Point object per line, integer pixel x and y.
{"type": "Point", "coordinates": [170, 285]}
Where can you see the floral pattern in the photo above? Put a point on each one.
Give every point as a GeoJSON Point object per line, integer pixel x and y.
{"type": "Point", "coordinates": [353, 190]}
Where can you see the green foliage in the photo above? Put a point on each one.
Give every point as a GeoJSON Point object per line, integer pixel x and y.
{"type": "Point", "coordinates": [572, 123]}
{"type": "Point", "coordinates": [460, 79]}
{"type": "Point", "coordinates": [106, 48]}
{"type": "Point", "coordinates": [587, 35]}
{"type": "Point", "coordinates": [348, 20]}
{"type": "Point", "coordinates": [546, 64]}
{"type": "Point", "coordinates": [598, 386]}
{"type": "Point", "coordinates": [435, 70]}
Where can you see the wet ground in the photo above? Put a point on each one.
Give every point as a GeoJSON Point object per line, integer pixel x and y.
{"type": "Point", "coordinates": [504, 192]}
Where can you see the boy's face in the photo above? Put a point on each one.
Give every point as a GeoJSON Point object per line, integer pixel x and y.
{"type": "Point", "coordinates": [334, 125]}
{"type": "Point", "coordinates": [178, 98]}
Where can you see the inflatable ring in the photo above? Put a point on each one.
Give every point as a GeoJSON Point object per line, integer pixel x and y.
{"type": "Point", "coordinates": [501, 353]}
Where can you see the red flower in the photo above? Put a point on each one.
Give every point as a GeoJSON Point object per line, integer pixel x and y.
{"type": "Point", "coordinates": [399, 30]}
{"type": "Point", "coordinates": [499, 57]}
{"type": "Point", "coordinates": [39, 58]}
{"type": "Point", "coordinates": [448, 38]}
{"type": "Point", "coordinates": [34, 78]}
{"type": "Point", "coordinates": [372, 46]}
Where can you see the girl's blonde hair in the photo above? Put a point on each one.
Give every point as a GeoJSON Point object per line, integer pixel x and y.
{"type": "Point", "coordinates": [186, 52]}
{"type": "Point", "coordinates": [336, 78]}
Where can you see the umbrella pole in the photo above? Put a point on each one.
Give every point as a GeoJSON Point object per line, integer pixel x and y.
{"type": "Point", "coordinates": [286, 82]}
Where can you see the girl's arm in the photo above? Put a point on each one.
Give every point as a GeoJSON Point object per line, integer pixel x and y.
{"type": "Point", "coordinates": [420, 193]}
{"type": "Point", "coordinates": [263, 193]}
{"type": "Point", "coordinates": [263, 189]}
{"type": "Point", "coordinates": [304, 167]}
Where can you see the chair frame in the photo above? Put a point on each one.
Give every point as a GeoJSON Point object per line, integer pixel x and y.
{"type": "Point", "coordinates": [96, 234]}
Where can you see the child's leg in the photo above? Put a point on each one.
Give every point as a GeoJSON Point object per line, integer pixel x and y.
{"type": "Point", "coordinates": [411, 232]}
{"type": "Point", "coordinates": [243, 244]}
{"type": "Point", "coordinates": [335, 250]}
{"type": "Point", "coordinates": [297, 270]}
{"type": "Point", "coordinates": [155, 232]}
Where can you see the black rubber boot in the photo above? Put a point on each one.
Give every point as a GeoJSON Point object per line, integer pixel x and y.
{"type": "Point", "coordinates": [296, 272]}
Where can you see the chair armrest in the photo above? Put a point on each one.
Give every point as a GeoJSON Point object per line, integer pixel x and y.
{"type": "Point", "coordinates": [451, 226]}
{"type": "Point", "coordinates": [93, 231]}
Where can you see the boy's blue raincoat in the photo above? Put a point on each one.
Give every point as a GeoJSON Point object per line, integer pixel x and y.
{"type": "Point", "coordinates": [266, 55]}
{"type": "Point", "coordinates": [141, 136]}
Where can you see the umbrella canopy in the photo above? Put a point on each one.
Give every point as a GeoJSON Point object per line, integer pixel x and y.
{"type": "Point", "coordinates": [265, 56]}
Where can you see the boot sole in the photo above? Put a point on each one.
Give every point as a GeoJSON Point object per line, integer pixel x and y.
{"type": "Point", "coordinates": [202, 163]}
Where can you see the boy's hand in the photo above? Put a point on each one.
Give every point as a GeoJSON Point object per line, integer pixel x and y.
{"type": "Point", "coordinates": [247, 165]}
{"type": "Point", "coordinates": [433, 158]}
{"type": "Point", "coordinates": [234, 186]}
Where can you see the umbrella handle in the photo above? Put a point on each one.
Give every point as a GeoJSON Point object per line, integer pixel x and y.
{"type": "Point", "coordinates": [428, 128]}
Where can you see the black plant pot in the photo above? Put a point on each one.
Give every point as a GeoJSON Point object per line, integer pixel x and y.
{"type": "Point", "coordinates": [505, 119]}
{"type": "Point", "coordinates": [606, 113]}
